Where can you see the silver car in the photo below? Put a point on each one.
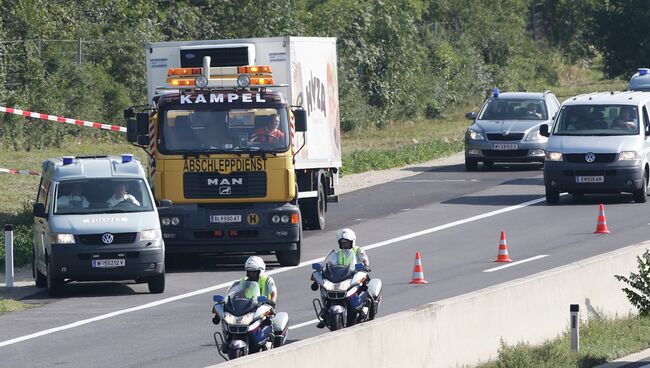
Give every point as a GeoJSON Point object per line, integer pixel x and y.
{"type": "Point", "coordinates": [507, 128]}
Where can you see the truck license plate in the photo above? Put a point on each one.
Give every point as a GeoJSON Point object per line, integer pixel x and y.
{"type": "Point", "coordinates": [108, 263]}
{"type": "Point", "coordinates": [590, 179]}
{"type": "Point", "coordinates": [504, 146]}
{"type": "Point", "coordinates": [222, 219]}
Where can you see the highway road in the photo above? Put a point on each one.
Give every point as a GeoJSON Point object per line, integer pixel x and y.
{"type": "Point", "coordinates": [451, 216]}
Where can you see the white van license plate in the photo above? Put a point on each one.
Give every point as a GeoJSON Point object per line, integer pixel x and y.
{"type": "Point", "coordinates": [221, 219]}
{"type": "Point", "coordinates": [504, 146]}
{"type": "Point", "coordinates": [590, 179]}
{"type": "Point", "coordinates": [108, 263]}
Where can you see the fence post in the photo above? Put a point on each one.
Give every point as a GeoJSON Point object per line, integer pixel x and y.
{"type": "Point", "coordinates": [575, 327]}
{"type": "Point", "coordinates": [9, 255]}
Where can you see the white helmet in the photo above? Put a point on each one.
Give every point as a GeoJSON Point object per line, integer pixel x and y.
{"type": "Point", "coordinates": [346, 234]}
{"type": "Point", "coordinates": [255, 263]}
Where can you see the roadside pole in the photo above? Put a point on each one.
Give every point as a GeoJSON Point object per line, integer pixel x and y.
{"type": "Point", "coordinates": [575, 327]}
{"type": "Point", "coordinates": [9, 255]}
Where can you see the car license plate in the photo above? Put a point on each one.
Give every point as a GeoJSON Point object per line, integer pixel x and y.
{"type": "Point", "coordinates": [108, 263]}
{"type": "Point", "coordinates": [590, 179]}
{"type": "Point", "coordinates": [221, 219]}
{"type": "Point", "coordinates": [504, 146]}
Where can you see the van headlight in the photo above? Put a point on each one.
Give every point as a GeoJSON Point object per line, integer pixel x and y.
{"type": "Point", "coordinates": [63, 239]}
{"type": "Point", "coordinates": [149, 235]}
{"type": "Point", "coordinates": [628, 156]}
{"type": "Point", "coordinates": [553, 156]}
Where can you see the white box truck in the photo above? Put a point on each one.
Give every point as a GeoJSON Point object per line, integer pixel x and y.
{"type": "Point", "coordinates": [244, 137]}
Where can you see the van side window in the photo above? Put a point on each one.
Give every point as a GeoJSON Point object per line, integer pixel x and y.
{"type": "Point", "coordinates": [645, 120]}
{"type": "Point", "coordinates": [43, 191]}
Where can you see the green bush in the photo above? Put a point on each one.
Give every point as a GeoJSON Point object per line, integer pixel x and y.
{"type": "Point", "coordinates": [22, 246]}
{"type": "Point", "coordinates": [639, 291]}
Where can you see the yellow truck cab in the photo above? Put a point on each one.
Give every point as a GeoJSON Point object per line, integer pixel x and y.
{"type": "Point", "coordinates": [230, 146]}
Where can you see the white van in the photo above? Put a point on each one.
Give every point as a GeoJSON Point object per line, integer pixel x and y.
{"type": "Point", "coordinates": [599, 144]}
{"type": "Point", "coordinates": [95, 219]}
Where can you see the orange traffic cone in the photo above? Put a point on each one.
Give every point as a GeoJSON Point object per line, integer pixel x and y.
{"type": "Point", "coordinates": [418, 274]}
{"type": "Point", "coordinates": [503, 249]}
{"type": "Point", "coordinates": [601, 224]}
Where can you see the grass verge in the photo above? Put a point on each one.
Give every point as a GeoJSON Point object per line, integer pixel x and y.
{"type": "Point", "coordinates": [10, 305]}
{"type": "Point", "coordinates": [601, 340]}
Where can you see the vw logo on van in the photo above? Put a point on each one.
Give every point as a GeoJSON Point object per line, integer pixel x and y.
{"type": "Point", "coordinates": [107, 238]}
{"type": "Point", "coordinates": [590, 157]}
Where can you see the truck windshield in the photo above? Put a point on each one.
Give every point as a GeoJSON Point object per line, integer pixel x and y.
{"type": "Point", "coordinates": [197, 131]}
{"type": "Point", "coordinates": [101, 195]}
{"type": "Point", "coordinates": [596, 120]}
{"type": "Point", "coordinates": [514, 109]}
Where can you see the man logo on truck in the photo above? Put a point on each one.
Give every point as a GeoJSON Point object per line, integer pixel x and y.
{"type": "Point", "coordinates": [225, 181]}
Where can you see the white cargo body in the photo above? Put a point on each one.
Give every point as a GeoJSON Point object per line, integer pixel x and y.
{"type": "Point", "coordinates": [307, 65]}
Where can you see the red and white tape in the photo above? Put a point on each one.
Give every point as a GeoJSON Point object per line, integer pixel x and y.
{"type": "Point", "coordinates": [18, 172]}
{"type": "Point", "coordinates": [60, 119]}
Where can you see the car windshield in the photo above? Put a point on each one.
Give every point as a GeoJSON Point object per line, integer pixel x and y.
{"type": "Point", "coordinates": [101, 195]}
{"type": "Point", "coordinates": [513, 109]}
{"type": "Point", "coordinates": [242, 297]}
{"type": "Point", "coordinates": [197, 131]}
{"type": "Point", "coordinates": [597, 120]}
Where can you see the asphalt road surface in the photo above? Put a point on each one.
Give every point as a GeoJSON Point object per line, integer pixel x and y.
{"type": "Point", "coordinates": [451, 216]}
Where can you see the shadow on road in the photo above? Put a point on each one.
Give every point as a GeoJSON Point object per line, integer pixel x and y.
{"type": "Point", "coordinates": [493, 200]}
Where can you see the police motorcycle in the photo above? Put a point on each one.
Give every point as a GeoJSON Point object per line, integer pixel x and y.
{"type": "Point", "coordinates": [248, 321]}
{"type": "Point", "coordinates": [347, 294]}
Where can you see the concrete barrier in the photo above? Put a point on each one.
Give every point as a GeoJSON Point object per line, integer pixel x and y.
{"type": "Point", "coordinates": [468, 329]}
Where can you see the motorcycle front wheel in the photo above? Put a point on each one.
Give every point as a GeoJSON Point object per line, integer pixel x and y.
{"type": "Point", "coordinates": [237, 353]}
{"type": "Point", "coordinates": [335, 322]}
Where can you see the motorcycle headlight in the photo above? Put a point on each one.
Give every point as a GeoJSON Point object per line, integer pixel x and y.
{"type": "Point", "coordinates": [63, 239]}
{"type": "Point", "coordinates": [229, 318]}
{"type": "Point", "coordinates": [244, 320]}
{"type": "Point", "coordinates": [553, 156]}
{"type": "Point", "coordinates": [149, 235]}
{"type": "Point", "coordinates": [475, 134]}
{"type": "Point", "coordinates": [342, 286]}
{"type": "Point", "coordinates": [534, 136]}
{"type": "Point", "coordinates": [328, 285]}
{"type": "Point", "coordinates": [628, 156]}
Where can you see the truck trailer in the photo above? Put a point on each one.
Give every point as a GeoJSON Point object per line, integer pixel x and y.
{"type": "Point", "coordinates": [244, 140]}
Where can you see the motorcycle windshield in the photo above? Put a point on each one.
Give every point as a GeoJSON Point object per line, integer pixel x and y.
{"type": "Point", "coordinates": [241, 298]}
{"type": "Point", "coordinates": [337, 273]}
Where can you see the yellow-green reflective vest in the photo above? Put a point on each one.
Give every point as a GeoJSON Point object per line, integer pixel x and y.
{"type": "Point", "coordinates": [262, 282]}
{"type": "Point", "coordinates": [347, 260]}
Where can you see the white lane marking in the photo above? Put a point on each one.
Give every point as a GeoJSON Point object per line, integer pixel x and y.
{"type": "Point", "coordinates": [516, 263]}
{"type": "Point", "coordinates": [431, 180]}
{"type": "Point", "coordinates": [272, 272]}
{"type": "Point", "coordinates": [303, 324]}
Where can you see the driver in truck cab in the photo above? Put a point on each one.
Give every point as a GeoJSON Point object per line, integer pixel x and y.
{"type": "Point", "coordinates": [268, 132]}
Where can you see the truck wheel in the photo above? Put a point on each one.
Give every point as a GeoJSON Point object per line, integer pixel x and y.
{"type": "Point", "coordinates": [641, 195]}
{"type": "Point", "coordinates": [314, 210]}
{"type": "Point", "coordinates": [288, 257]}
{"type": "Point", "coordinates": [471, 164]}
{"type": "Point", "coordinates": [54, 281]}
{"type": "Point", "coordinates": [41, 280]}
{"type": "Point", "coordinates": [552, 196]}
{"type": "Point", "coordinates": [157, 283]}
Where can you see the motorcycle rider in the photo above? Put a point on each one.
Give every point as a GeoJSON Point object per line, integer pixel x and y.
{"type": "Point", "coordinates": [348, 254]}
{"type": "Point", "coordinates": [255, 268]}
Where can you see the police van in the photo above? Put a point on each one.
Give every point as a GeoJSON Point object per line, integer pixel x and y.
{"type": "Point", "coordinates": [95, 219]}
{"type": "Point", "coordinates": [640, 81]}
{"type": "Point", "coordinates": [599, 144]}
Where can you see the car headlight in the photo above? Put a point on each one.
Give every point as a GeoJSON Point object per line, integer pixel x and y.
{"type": "Point", "coordinates": [534, 136]}
{"type": "Point", "coordinates": [175, 221]}
{"type": "Point", "coordinates": [284, 218]}
{"type": "Point", "coordinates": [475, 135]}
{"type": "Point", "coordinates": [165, 221]}
{"type": "Point", "coordinates": [63, 239]}
{"type": "Point", "coordinates": [275, 219]}
{"type": "Point", "coordinates": [628, 156]}
{"type": "Point", "coordinates": [553, 156]}
{"type": "Point", "coordinates": [149, 235]}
